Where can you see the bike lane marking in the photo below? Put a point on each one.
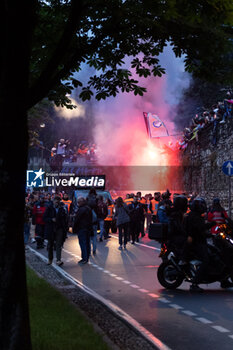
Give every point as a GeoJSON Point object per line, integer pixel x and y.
{"type": "Point", "coordinates": [175, 306]}
{"type": "Point", "coordinates": [203, 320]}
{"type": "Point", "coordinates": [189, 313]}
{"type": "Point", "coordinates": [163, 300]}
{"type": "Point", "coordinates": [153, 295]}
{"type": "Point", "coordinates": [121, 313]}
{"type": "Point", "coordinates": [220, 329]}
{"type": "Point", "coordinates": [142, 244]}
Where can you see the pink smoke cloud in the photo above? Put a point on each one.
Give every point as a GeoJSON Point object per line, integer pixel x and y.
{"type": "Point", "coordinates": [121, 133]}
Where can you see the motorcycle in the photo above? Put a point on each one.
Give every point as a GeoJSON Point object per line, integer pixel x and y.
{"type": "Point", "coordinates": [171, 273]}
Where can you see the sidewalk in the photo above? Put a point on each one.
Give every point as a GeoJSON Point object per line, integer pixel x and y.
{"type": "Point", "coordinates": [118, 333]}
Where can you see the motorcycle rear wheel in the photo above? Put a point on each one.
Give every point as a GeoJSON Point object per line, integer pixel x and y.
{"type": "Point", "coordinates": [168, 276]}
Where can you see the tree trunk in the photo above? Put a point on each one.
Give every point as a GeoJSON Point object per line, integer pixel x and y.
{"type": "Point", "coordinates": [16, 19]}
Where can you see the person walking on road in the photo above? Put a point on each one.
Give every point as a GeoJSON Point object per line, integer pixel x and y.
{"type": "Point", "coordinates": [37, 219]}
{"type": "Point", "coordinates": [55, 218]}
{"type": "Point", "coordinates": [122, 221]}
{"type": "Point", "coordinates": [83, 228]}
{"type": "Point", "coordinates": [102, 213]}
{"type": "Point", "coordinates": [136, 217]}
{"type": "Point", "coordinates": [109, 219]}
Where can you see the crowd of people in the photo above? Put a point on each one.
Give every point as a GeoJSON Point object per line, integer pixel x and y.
{"type": "Point", "coordinates": [188, 224]}
{"type": "Point", "coordinates": [215, 115]}
{"type": "Point", "coordinates": [186, 217]}
{"type": "Point", "coordinates": [49, 215]}
{"type": "Point", "coordinates": [62, 151]}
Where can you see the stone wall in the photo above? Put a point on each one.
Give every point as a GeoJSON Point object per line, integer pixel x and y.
{"type": "Point", "coordinates": [202, 162]}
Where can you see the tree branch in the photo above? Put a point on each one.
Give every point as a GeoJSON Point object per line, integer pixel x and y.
{"type": "Point", "coordinates": [45, 82]}
{"type": "Point", "coordinates": [54, 80]}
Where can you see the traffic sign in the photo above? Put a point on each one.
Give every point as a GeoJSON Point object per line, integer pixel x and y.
{"type": "Point", "coordinates": [227, 167]}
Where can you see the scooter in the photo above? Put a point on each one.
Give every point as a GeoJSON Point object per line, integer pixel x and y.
{"type": "Point", "coordinates": [171, 274]}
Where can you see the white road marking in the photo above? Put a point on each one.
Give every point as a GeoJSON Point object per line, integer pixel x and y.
{"type": "Point", "coordinates": [189, 313]}
{"type": "Point", "coordinates": [121, 313]}
{"type": "Point", "coordinates": [143, 245]}
{"type": "Point", "coordinates": [220, 329]}
{"type": "Point", "coordinates": [164, 300]}
{"type": "Point", "coordinates": [146, 333]}
{"type": "Point", "coordinates": [147, 246]}
{"type": "Point", "coordinates": [153, 295]}
{"type": "Point", "coordinates": [175, 306]}
{"type": "Point", "coordinates": [203, 320]}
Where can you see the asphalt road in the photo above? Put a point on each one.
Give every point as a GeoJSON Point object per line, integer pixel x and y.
{"type": "Point", "coordinates": [180, 319]}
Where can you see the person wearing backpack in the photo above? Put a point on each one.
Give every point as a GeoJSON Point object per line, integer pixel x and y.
{"type": "Point", "coordinates": [102, 212]}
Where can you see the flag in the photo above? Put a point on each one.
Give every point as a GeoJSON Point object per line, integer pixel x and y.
{"type": "Point", "coordinates": [153, 123]}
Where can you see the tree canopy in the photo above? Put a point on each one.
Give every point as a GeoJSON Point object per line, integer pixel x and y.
{"type": "Point", "coordinates": [102, 33]}
{"type": "Point", "coordinates": [54, 38]}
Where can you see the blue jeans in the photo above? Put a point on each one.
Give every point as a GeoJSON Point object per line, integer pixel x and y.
{"type": "Point", "coordinates": [93, 239]}
{"type": "Point", "coordinates": [101, 225]}
{"type": "Point", "coordinates": [27, 226]}
{"type": "Point", "coordinates": [84, 242]}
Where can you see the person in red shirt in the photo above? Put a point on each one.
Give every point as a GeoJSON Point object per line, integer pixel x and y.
{"type": "Point", "coordinates": [217, 213]}
{"type": "Point", "coordinates": [37, 219]}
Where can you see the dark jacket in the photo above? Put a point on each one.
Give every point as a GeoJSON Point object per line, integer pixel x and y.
{"type": "Point", "coordinates": [92, 201]}
{"type": "Point", "coordinates": [176, 229]}
{"type": "Point", "coordinates": [83, 219]}
{"type": "Point", "coordinates": [61, 221]}
{"type": "Point", "coordinates": [196, 227]}
{"type": "Point", "coordinates": [176, 225]}
{"type": "Point", "coordinates": [102, 210]}
{"type": "Point", "coordinates": [162, 215]}
{"type": "Point", "coordinates": [136, 212]}
{"type": "Point", "coordinates": [122, 214]}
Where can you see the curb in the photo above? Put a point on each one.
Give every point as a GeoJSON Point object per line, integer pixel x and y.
{"type": "Point", "coordinates": [114, 310]}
